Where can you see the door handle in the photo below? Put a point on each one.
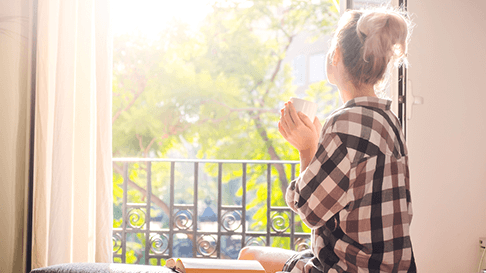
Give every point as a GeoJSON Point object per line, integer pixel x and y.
{"type": "Point", "coordinates": [411, 99]}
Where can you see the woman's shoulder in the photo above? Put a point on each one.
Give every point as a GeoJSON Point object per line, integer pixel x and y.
{"type": "Point", "coordinates": [359, 124]}
{"type": "Point", "coordinates": [359, 116]}
{"type": "Point", "coordinates": [344, 120]}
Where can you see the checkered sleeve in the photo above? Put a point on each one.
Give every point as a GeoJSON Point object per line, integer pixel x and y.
{"type": "Point", "coordinates": [321, 189]}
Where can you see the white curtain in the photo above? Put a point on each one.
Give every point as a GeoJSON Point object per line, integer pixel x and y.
{"type": "Point", "coordinates": [72, 169]}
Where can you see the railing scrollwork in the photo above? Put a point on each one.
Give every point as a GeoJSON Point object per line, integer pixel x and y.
{"type": "Point", "coordinates": [184, 230]}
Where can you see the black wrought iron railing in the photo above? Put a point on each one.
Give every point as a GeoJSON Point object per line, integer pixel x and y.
{"type": "Point", "coordinates": [167, 208]}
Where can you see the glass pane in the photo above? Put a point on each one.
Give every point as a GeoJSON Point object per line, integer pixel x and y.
{"type": "Point", "coordinates": [299, 70]}
{"type": "Point", "coordinates": [358, 4]}
{"type": "Point", "coordinates": [317, 71]}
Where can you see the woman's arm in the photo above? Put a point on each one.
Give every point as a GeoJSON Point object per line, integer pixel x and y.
{"type": "Point", "coordinates": [306, 157]}
{"type": "Point", "coordinates": [320, 191]}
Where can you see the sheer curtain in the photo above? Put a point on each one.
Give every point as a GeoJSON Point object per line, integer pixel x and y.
{"type": "Point", "coordinates": [72, 169]}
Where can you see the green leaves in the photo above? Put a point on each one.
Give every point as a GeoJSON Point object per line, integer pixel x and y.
{"type": "Point", "coordinates": [214, 93]}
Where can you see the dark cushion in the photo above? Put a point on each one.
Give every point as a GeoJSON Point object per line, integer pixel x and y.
{"type": "Point", "coordinates": [102, 268]}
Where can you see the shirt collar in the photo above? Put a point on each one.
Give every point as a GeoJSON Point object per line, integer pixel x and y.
{"type": "Point", "coordinates": [375, 102]}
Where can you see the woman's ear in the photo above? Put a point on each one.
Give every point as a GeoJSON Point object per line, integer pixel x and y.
{"type": "Point", "coordinates": [330, 67]}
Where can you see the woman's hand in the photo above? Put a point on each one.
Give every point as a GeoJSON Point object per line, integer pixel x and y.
{"type": "Point", "coordinates": [298, 129]}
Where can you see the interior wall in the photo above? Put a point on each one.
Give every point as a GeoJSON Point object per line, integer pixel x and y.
{"type": "Point", "coordinates": [447, 134]}
{"type": "Point", "coordinates": [14, 127]}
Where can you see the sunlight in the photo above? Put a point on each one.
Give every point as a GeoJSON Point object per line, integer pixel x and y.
{"type": "Point", "coordinates": [151, 16]}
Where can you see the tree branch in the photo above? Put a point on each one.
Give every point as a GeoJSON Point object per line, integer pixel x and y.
{"type": "Point", "coordinates": [154, 198]}
{"type": "Point", "coordinates": [277, 68]}
{"type": "Point", "coordinates": [141, 88]}
{"type": "Point", "coordinates": [273, 154]}
{"type": "Point", "coordinates": [263, 132]}
{"type": "Point", "coordinates": [145, 152]}
{"type": "Point", "coordinates": [140, 144]}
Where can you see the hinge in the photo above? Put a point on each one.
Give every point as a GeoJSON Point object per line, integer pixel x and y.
{"type": "Point", "coordinates": [401, 99]}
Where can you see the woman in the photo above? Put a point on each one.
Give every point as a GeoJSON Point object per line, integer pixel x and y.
{"type": "Point", "coordinates": [353, 191]}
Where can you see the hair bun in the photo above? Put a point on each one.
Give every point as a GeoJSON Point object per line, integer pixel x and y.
{"type": "Point", "coordinates": [370, 42]}
{"type": "Point", "coordinates": [384, 34]}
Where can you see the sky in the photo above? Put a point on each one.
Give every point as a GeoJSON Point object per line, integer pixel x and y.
{"type": "Point", "coordinates": [149, 16]}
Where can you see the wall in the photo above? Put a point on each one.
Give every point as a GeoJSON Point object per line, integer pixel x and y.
{"type": "Point", "coordinates": [446, 135]}
{"type": "Point", "coordinates": [14, 125]}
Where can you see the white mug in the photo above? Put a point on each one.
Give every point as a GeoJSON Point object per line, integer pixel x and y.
{"type": "Point", "coordinates": [307, 107]}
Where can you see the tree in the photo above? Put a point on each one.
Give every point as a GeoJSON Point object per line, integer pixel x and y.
{"type": "Point", "coordinates": [215, 93]}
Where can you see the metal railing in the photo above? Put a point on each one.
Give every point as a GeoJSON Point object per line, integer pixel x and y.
{"type": "Point", "coordinates": [156, 222]}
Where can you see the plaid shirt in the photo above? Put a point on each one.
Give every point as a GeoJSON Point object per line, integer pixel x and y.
{"type": "Point", "coordinates": [355, 193]}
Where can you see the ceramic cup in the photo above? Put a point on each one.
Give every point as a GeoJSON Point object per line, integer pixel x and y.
{"type": "Point", "coordinates": [307, 107]}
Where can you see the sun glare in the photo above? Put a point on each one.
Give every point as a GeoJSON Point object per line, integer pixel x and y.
{"type": "Point", "coordinates": [150, 16]}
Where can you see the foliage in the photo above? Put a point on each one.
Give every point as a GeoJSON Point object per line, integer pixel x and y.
{"type": "Point", "coordinates": [213, 93]}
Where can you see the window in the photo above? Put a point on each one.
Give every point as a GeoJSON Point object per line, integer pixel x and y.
{"type": "Point", "coordinates": [317, 70]}
{"type": "Point", "coordinates": [299, 70]}
{"type": "Point", "coordinates": [358, 4]}
{"type": "Point", "coordinates": [200, 169]}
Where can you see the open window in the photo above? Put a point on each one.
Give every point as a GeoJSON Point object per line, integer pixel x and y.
{"type": "Point", "coordinates": [200, 169]}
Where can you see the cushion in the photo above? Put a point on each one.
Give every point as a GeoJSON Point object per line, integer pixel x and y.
{"type": "Point", "coordinates": [102, 268]}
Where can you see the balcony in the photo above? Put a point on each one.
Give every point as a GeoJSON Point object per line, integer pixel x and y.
{"type": "Point", "coordinates": [167, 208]}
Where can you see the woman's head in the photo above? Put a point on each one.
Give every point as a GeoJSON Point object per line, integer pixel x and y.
{"type": "Point", "coordinates": [368, 41]}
